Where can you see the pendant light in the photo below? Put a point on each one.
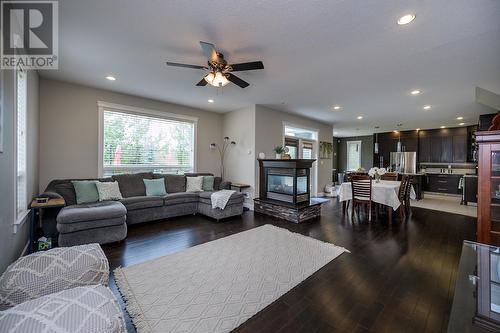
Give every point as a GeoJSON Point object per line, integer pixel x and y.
{"type": "Point", "coordinates": [376, 143]}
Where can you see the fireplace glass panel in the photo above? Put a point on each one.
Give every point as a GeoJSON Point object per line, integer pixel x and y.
{"type": "Point", "coordinates": [280, 184]}
{"type": "Point", "coordinates": [302, 185]}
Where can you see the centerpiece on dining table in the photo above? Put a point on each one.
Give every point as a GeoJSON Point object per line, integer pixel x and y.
{"type": "Point", "coordinates": [377, 173]}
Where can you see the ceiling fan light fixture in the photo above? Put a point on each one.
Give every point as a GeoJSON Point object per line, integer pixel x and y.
{"type": "Point", "coordinates": [217, 79]}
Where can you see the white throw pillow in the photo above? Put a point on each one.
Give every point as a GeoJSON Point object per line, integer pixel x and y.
{"type": "Point", "coordinates": [194, 184]}
{"type": "Point", "coordinates": [108, 191]}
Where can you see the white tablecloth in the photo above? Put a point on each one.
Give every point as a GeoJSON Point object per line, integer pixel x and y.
{"type": "Point", "coordinates": [385, 193]}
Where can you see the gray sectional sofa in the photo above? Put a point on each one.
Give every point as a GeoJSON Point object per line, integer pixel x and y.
{"type": "Point", "coordinates": [107, 221]}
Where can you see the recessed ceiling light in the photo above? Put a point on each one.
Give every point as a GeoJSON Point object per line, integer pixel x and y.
{"type": "Point", "coordinates": [427, 107]}
{"type": "Point", "coordinates": [395, 131]}
{"type": "Point", "coordinates": [110, 78]}
{"type": "Point", "coordinates": [418, 129]}
{"type": "Point", "coordinates": [211, 100]}
{"type": "Point", "coordinates": [443, 127]}
{"type": "Point", "coordinates": [405, 19]}
{"type": "Point", "coordinates": [462, 124]}
{"type": "Point", "coordinates": [460, 118]}
{"type": "Point", "coordinates": [336, 107]}
{"type": "Point", "coordinates": [415, 92]}
{"type": "Point", "coordinates": [360, 117]}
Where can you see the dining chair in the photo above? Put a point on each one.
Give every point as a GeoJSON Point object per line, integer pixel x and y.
{"type": "Point", "coordinates": [403, 196]}
{"type": "Point", "coordinates": [407, 198]}
{"type": "Point", "coordinates": [390, 176]}
{"type": "Point", "coordinates": [361, 194]}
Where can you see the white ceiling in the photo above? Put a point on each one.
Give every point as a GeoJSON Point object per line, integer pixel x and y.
{"type": "Point", "coordinates": [316, 54]}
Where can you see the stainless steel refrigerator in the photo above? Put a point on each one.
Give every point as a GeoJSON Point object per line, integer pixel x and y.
{"type": "Point", "coordinates": [404, 162]}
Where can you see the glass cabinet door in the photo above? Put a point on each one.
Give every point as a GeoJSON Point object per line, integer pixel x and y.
{"type": "Point", "coordinates": [495, 194]}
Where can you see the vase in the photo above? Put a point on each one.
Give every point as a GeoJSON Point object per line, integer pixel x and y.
{"type": "Point", "coordinates": [377, 178]}
{"type": "Point", "coordinates": [278, 156]}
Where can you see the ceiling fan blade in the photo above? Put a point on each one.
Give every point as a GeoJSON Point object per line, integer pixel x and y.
{"type": "Point", "coordinates": [202, 83]}
{"type": "Point", "coordinates": [247, 66]}
{"type": "Point", "coordinates": [209, 51]}
{"type": "Point", "coordinates": [237, 81]}
{"type": "Point", "coordinates": [185, 65]}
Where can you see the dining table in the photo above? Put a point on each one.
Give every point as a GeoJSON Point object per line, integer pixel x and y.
{"type": "Point", "coordinates": [384, 192]}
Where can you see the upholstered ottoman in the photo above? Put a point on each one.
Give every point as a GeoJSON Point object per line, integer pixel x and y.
{"type": "Point", "coordinates": [44, 273]}
{"type": "Point", "coordinates": [99, 222]}
{"type": "Point", "coordinates": [89, 309]}
{"type": "Point", "coordinates": [233, 207]}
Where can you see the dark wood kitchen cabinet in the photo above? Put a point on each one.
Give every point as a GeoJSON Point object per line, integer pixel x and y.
{"type": "Point", "coordinates": [436, 149]}
{"type": "Point", "coordinates": [442, 183]}
{"type": "Point", "coordinates": [460, 148]}
{"type": "Point", "coordinates": [424, 147]}
{"type": "Point", "coordinates": [446, 149]}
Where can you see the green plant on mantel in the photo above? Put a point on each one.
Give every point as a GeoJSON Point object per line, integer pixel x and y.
{"type": "Point", "coordinates": [279, 149]}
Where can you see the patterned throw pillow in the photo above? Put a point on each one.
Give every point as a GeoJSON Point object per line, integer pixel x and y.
{"type": "Point", "coordinates": [86, 191]}
{"type": "Point", "coordinates": [194, 184]}
{"type": "Point", "coordinates": [208, 183]}
{"type": "Point", "coordinates": [108, 191]}
{"type": "Point", "coordinates": [155, 187]}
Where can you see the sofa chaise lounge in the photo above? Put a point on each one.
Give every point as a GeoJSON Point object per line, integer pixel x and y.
{"type": "Point", "coordinates": [106, 221]}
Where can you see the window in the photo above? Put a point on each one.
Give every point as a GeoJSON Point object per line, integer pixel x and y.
{"type": "Point", "coordinates": [138, 142]}
{"type": "Point", "coordinates": [353, 155]}
{"type": "Point", "coordinates": [292, 131]}
{"type": "Point", "coordinates": [21, 149]}
{"type": "Point", "coordinates": [307, 150]}
{"type": "Point", "coordinates": [292, 145]}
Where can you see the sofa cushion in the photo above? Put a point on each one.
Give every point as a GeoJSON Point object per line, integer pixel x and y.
{"type": "Point", "coordinates": [236, 198]}
{"type": "Point", "coordinates": [86, 191]}
{"type": "Point", "coordinates": [77, 310]}
{"type": "Point", "coordinates": [194, 184]}
{"type": "Point", "coordinates": [65, 188]}
{"type": "Point", "coordinates": [108, 191]}
{"type": "Point", "coordinates": [47, 272]}
{"type": "Point", "coordinates": [208, 183]}
{"type": "Point", "coordinates": [66, 228]}
{"type": "Point", "coordinates": [132, 185]}
{"type": "Point", "coordinates": [141, 202]}
{"type": "Point", "coordinates": [180, 198]}
{"type": "Point", "coordinates": [173, 183]}
{"type": "Point", "coordinates": [155, 187]}
{"type": "Point", "coordinates": [91, 212]}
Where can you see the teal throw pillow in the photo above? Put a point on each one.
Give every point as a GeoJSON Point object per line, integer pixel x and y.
{"type": "Point", "coordinates": [208, 183]}
{"type": "Point", "coordinates": [155, 187]}
{"type": "Point", "coordinates": [86, 191]}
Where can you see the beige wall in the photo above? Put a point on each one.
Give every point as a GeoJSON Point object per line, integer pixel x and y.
{"type": "Point", "coordinates": [269, 134]}
{"type": "Point", "coordinates": [69, 129]}
{"type": "Point", "coordinates": [12, 244]}
{"type": "Point", "coordinates": [239, 125]}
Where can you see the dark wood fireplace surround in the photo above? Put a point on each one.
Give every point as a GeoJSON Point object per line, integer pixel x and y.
{"type": "Point", "coordinates": [284, 190]}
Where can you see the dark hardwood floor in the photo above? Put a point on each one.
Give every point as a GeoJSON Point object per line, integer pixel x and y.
{"type": "Point", "coordinates": [397, 278]}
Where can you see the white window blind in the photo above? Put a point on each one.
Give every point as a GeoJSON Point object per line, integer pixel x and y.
{"type": "Point", "coordinates": [21, 149]}
{"type": "Point", "coordinates": [137, 143]}
{"type": "Point", "coordinates": [353, 155]}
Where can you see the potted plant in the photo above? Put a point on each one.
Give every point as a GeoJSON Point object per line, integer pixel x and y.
{"type": "Point", "coordinates": [279, 150]}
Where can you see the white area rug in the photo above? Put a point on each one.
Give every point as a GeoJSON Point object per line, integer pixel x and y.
{"type": "Point", "coordinates": [216, 286]}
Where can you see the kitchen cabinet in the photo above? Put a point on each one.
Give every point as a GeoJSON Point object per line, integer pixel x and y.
{"type": "Point", "coordinates": [442, 183]}
{"type": "Point", "coordinates": [446, 149]}
{"type": "Point", "coordinates": [460, 148]}
{"type": "Point", "coordinates": [424, 147]}
{"type": "Point", "coordinates": [436, 149]}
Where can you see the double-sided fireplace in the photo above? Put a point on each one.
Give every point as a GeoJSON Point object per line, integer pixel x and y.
{"type": "Point", "coordinates": [284, 189]}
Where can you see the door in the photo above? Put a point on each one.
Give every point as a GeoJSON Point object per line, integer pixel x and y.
{"type": "Point", "coordinates": [353, 155]}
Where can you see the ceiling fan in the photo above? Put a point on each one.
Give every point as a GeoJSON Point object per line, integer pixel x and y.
{"type": "Point", "coordinates": [220, 72]}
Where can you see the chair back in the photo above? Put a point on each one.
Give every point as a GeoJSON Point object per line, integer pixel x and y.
{"type": "Point", "coordinates": [404, 188]}
{"type": "Point", "coordinates": [361, 188]}
{"type": "Point", "coordinates": [390, 176]}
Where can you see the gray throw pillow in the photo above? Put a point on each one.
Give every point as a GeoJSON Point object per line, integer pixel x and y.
{"type": "Point", "coordinates": [86, 191]}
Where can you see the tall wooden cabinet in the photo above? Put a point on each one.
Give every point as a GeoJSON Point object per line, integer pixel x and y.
{"type": "Point", "coordinates": [488, 196]}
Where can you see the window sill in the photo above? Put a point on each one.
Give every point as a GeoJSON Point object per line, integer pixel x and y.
{"type": "Point", "coordinates": [21, 220]}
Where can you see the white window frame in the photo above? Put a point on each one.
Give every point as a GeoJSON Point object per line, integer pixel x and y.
{"type": "Point", "coordinates": [102, 106]}
{"type": "Point", "coordinates": [20, 217]}
{"type": "Point", "coordinates": [315, 171]}
{"type": "Point", "coordinates": [358, 142]}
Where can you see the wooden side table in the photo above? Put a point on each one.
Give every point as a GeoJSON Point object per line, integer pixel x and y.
{"type": "Point", "coordinates": [36, 207]}
{"type": "Point", "coordinates": [240, 187]}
